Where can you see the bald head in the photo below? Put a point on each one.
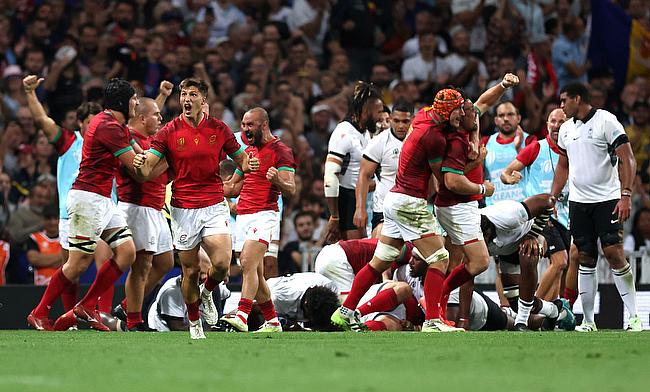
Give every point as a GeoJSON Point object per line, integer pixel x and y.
{"type": "Point", "coordinates": [259, 114]}
{"type": "Point", "coordinates": [147, 105]}
{"type": "Point", "coordinates": [555, 120]}
{"type": "Point", "coordinates": [255, 127]}
{"type": "Point", "coordinates": [147, 117]}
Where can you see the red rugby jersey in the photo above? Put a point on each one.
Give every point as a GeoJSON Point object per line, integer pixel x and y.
{"type": "Point", "coordinates": [194, 155]}
{"type": "Point", "coordinates": [105, 140]}
{"type": "Point", "coordinates": [147, 194]}
{"type": "Point", "coordinates": [257, 193]}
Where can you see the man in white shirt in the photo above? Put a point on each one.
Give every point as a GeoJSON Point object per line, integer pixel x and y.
{"type": "Point", "coordinates": [425, 66]}
{"type": "Point", "coordinates": [597, 159]}
{"type": "Point", "coordinates": [464, 70]}
{"type": "Point", "coordinates": [311, 18]}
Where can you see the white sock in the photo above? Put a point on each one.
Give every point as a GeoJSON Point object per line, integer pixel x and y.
{"type": "Point", "coordinates": [548, 309]}
{"type": "Point", "coordinates": [587, 287]}
{"type": "Point", "coordinates": [243, 315]}
{"type": "Point", "coordinates": [523, 312]}
{"type": "Point", "coordinates": [624, 282]}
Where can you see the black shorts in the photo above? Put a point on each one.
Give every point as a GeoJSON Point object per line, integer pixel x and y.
{"type": "Point", "coordinates": [557, 238]}
{"type": "Point", "coordinates": [347, 206]}
{"type": "Point", "coordinates": [377, 218]}
{"type": "Point", "coordinates": [496, 318]}
{"type": "Point", "coordinates": [591, 221]}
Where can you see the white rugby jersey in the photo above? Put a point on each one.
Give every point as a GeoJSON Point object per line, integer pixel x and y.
{"type": "Point", "coordinates": [478, 309]}
{"type": "Point", "coordinates": [399, 312]}
{"type": "Point", "coordinates": [169, 301]}
{"type": "Point", "coordinates": [347, 143]}
{"type": "Point", "coordinates": [384, 150]}
{"type": "Point", "coordinates": [510, 219]}
{"type": "Point", "coordinates": [403, 274]}
{"type": "Point", "coordinates": [593, 166]}
{"type": "Point", "coordinates": [287, 292]}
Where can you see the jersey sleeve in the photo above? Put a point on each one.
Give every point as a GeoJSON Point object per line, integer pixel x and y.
{"type": "Point", "coordinates": [611, 128]}
{"type": "Point", "coordinates": [284, 160]}
{"type": "Point", "coordinates": [435, 145]}
{"type": "Point", "coordinates": [171, 303]}
{"type": "Point", "coordinates": [159, 144]}
{"type": "Point", "coordinates": [114, 138]}
{"type": "Point", "coordinates": [560, 138]}
{"type": "Point", "coordinates": [339, 143]}
{"type": "Point", "coordinates": [456, 158]}
{"type": "Point", "coordinates": [374, 151]}
{"type": "Point", "coordinates": [528, 155]}
{"type": "Point", "coordinates": [31, 244]}
{"type": "Point", "coordinates": [530, 139]}
{"type": "Point", "coordinates": [230, 144]}
{"type": "Point", "coordinates": [63, 140]}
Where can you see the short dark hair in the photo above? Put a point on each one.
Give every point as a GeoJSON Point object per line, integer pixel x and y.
{"type": "Point", "coordinates": [386, 109]}
{"type": "Point", "coordinates": [318, 303]}
{"type": "Point", "coordinates": [506, 102]}
{"type": "Point", "coordinates": [403, 106]}
{"type": "Point", "coordinates": [198, 83]}
{"type": "Point", "coordinates": [300, 214]}
{"type": "Point", "coordinates": [576, 89]}
{"type": "Point", "coordinates": [86, 109]}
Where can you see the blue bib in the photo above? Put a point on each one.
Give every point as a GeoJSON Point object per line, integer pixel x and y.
{"type": "Point", "coordinates": [498, 158]}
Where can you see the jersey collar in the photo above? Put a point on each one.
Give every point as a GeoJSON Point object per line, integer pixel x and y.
{"type": "Point", "coordinates": [588, 117]}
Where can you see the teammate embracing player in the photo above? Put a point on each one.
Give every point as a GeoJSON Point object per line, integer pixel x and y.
{"type": "Point", "coordinates": [194, 144]}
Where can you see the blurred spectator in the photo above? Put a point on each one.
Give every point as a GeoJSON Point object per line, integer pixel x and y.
{"type": "Point", "coordinates": [639, 131]}
{"type": "Point", "coordinates": [532, 14]}
{"type": "Point", "coordinates": [11, 138]}
{"type": "Point", "coordinates": [278, 12]}
{"type": "Point", "coordinates": [469, 14]}
{"type": "Point", "coordinates": [320, 129]}
{"type": "Point", "coordinates": [570, 53]}
{"type": "Point", "coordinates": [6, 207]}
{"type": "Point", "coordinates": [149, 69]}
{"type": "Point", "coordinates": [28, 218]}
{"type": "Point", "coordinates": [461, 68]}
{"type": "Point", "coordinates": [423, 24]}
{"type": "Point", "coordinates": [310, 19]}
{"type": "Point", "coordinates": [43, 248]}
{"type": "Point", "coordinates": [13, 98]}
{"type": "Point", "coordinates": [425, 68]}
{"type": "Point", "coordinates": [640, 235]}
{"type": "Point", "coordinates": [5, 254]}
{"type": "Point", "coordinates": [63, 84]}
{"type": "Point", "coordinates": [220, 15]}
{"type": "Point", "coordinates": [299, 255]}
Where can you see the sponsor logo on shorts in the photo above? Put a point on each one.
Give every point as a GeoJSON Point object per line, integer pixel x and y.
{"type": "Point", "coordinates": [183, 239]}
{"type": "Point", "coordinates": [152, 240]}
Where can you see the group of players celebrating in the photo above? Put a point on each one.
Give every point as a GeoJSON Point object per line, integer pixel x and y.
{"type": "Point", "coordinates": [404, 278]}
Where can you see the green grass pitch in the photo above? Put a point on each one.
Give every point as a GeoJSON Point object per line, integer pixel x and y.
{"type": "Point", "coordinates": [367, 362]}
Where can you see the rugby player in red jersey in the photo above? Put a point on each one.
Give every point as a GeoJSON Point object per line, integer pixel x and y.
{"type": "Point", "coordinates": [258, 215]}
{"type": "Point", "coordinates": [92, 212]}
{"type": "Point", "coordinates": [458, 194]}
{"type": "Point", "coordinates": [142, 205]}
{"type": "Point", "coordinates": [407, 218]}
{"type": "Point", "coordinates": [194, 144]}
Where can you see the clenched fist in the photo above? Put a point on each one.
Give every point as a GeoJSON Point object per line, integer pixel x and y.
{"type": "Point", "coordinates": [272, 175]}
{"type": "Point", "coordinates": [31, 83]}
{"type": "Point", "coordinates": [510, 80]}
{"type": "Point", "coordinates": [166, 88]}
{"type": "Point", "coordinates": [138, 160]}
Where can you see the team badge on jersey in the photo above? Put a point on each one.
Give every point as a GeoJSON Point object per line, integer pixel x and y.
{"type": "Point", "coordinates": [213, 139]}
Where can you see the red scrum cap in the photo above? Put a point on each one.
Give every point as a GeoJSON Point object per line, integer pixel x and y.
{"type": "Point", "coordinates": [446, 101]}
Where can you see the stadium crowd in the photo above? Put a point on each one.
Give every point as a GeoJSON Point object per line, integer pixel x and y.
{"type": "Point", "coordinates": [299, 60]}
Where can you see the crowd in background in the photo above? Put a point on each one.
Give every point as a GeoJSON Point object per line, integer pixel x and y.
{"type": "Point", "coordinates": [298, 59]}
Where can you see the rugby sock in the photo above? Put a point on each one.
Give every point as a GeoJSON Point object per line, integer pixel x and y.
{"type": "Point", "coordinates": [456, 278]}
{"type": "Point", "coordinates": [193, 310]}
{"type": "Point", "coordinates": [624, 282]}
{"type": "Point", "coordinates": [106, 277]}
{"type": "Point", "coordinates": [587, 286]}
{"type": "Point", "coordinates": [547, 309]}
{"type": "Point", "coordinates": [244, 309]}
{"type": "Point", "coordinates": [571, 295]}
{"type": "Point", "coordinates": [58, 283]}
{"type": "Point", "coordinates": [133, 319]}
{"type": "Point", "coordinates": [432, 290]}
{"type": "Point", "coordinates": [123, 303]}
{"type": "Point", "coordinates": [524, 312]}
{"type": "Point", "coordinates": [268, 311]}
{"type": "Point", "coordinates": [375, 325]}
{"type": "Point", "coordinates": [362, 282]}
{"type": "Point", "coordinates": [414, 313]}
{"type": "Point", "coordinates": [105, 301]}
{"type": "Point", "coordinates": [210, 284]}
{"type": "Point", "coordinates": [384, 301]}
{"type": "Point", "coordinates": [69, 296]}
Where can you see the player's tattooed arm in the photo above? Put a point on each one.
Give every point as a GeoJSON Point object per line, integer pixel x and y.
{"type": "Point", "coordinates": [49, 127]}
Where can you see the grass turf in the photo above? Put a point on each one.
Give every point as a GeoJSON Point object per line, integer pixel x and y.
{"type": "Point", "coordinates": [500, 361]}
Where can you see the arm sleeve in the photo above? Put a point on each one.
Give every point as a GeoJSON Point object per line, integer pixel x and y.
{"type": "Point", "coordinates": [31, 245]}
{"type": "Point", "coordinates": [171, 303]}
{"type": "Point", "coordinates": [456, 157]}
{"type": "Point", "coordinates": [528, 155]}
{"type": "Point", "coordinates": [115, 139]}
{"type": "Point", "coordinates": [339, 143]}
{"type": "Point", "coordinates": [63, 140]}
{"type": "Point", "coordinates": [530, 139]}
{"type": "Point", "coordinates": [230, 144]}
{"type": "Point", "coordinates": [408, 74]}
{"type": "Point", "coordinates": [374, 151]}
{"type": "Point", "coordinates": [159, 144]}
{"type": "Point", "coordinates": [612, 128]}
{"type": "Point", "coordinates": [436, 146]}
{"type": "Point", "coordinates": [285, 160]}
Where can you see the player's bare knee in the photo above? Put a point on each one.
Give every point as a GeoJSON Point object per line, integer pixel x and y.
{"type": "Point", "coordinates": [478, 265]}
{"type": "Point", "coordinates": [403, 291]}
{"type": "Point", "coordinates": [559, 261]}
{"type": "Point", "coordinates": [586, 259]}
{"type": "Point", "coordinates": [191, 271]}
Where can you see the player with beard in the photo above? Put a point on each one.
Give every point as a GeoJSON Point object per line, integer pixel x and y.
{"type": "Point", "coordinates": [142, 205]}
{"type": "Point", "coordinates": [456, 202]}
{"type": "Point", "coordinates": [502, 148]}
{"type": "Point", "coordinates": [407, 218]}
{"type": "Point", "coordinates": [380, 158]}
{"type": "Point", "coordinates": [93, 214]}
{"type": "Point", "coordinates": [258, 215]}
{"type": "Point", "coordinates": [194, 144]}
{"type": "Point", "coordinates": [539, 160]}
{"type": "Point", "coordinates": [343, 161]}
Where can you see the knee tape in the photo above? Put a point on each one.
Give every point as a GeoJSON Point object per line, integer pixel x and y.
{"type": "Point", "coordinates": [587, 246]}
{"type": "Point", "coordinates": [386, 252]}
{"type": "Point", "coordinates": [511, 291]}
{"type": "Point", "coordinates": [119, 237]}
{"type": "Point", "coordinates": [439, 255]}
{"type": "Point", "coordinates": [83, 245]}
{"type": "Point", "coordinates": [611, 238]}
{"type": "Point", "coordinates": [272, 251]}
